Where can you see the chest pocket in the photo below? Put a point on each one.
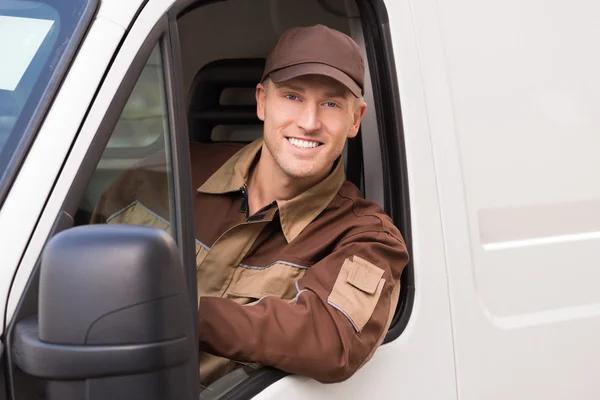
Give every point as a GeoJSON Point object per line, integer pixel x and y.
{"type": "Point", "coordinates": [252, 283]}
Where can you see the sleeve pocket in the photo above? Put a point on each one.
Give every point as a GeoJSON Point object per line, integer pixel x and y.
{"type": "Point", "coordinates": [357, 290]}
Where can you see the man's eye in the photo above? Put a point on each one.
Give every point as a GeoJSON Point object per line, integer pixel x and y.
{"type": "Point", "coordinates": [291, 97]}
{"type": "Point", "coordinates": [331, 104]}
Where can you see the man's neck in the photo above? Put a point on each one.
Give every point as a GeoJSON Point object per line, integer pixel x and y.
{"type": "Point", "coordinates": [267, 183]}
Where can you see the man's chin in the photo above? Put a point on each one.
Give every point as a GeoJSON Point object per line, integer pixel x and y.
{"type": "Point", "coordinates": [301, 173]}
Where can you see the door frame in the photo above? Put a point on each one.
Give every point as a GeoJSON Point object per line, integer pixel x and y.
{"type": "Point", "coordinates": [151, 24]}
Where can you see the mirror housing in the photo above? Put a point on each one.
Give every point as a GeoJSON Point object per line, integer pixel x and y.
{"type": "Point", "coordinates": [115, 318]}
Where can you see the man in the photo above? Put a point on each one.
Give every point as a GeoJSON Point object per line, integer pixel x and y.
{"type": "Point", "coordinates": [295, 270]}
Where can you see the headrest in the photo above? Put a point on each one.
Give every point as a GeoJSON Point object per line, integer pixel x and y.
{"type": "Point", "coordinates": [222, 96]}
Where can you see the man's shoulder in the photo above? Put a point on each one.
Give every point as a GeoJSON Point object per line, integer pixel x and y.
{"type": "Point", "coordinates": [351, 213]}
{"type": "Point", "coordinates": [207, 158]}
{"type": "Point", "coordinates": [350, 202]}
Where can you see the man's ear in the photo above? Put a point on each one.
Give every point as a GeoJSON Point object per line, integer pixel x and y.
{"type": "Point", "coordinates": [261, 92]}
{"type": "Point", "coordinates": [358, 115]}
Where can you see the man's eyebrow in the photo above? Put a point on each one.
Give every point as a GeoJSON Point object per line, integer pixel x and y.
{"type": "Point", "coordinates": [292, 87]}
{"type": "Point", "coordinates": [336, 93]}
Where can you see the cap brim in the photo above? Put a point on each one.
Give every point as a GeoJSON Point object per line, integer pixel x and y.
{"type": "Point", "coordinates": [295, 71]}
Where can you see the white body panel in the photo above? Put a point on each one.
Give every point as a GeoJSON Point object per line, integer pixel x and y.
{"type": "Point", "coordinates": [514, 127]}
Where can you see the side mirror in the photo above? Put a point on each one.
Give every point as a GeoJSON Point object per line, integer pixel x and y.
{"type": "Point", "coordinates": [115, 318]}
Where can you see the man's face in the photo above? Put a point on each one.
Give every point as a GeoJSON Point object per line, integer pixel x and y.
{"type": "Point", "coordinates": [306, 123]}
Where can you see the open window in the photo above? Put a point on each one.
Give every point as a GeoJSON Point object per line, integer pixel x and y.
{"type": "Point", "coordinates": [223, 48]}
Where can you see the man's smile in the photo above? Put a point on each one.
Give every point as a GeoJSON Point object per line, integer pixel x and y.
{"type": "Point", "coordinates": [303, 143]}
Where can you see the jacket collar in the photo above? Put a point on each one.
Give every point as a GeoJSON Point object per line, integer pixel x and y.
{"type": "Point", "coordinates": [295, 214]}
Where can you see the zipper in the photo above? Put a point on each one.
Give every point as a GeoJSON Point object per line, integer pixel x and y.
{"type": "Point", "coordinates": [244, 207]}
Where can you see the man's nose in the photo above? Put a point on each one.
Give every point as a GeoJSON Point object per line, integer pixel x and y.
{"type": "Point", "coordinates": [309, 119]}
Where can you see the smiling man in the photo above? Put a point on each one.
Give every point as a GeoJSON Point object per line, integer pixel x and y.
{"type": "Point", "coordinates": [297, 271]}
{"type": "Point", "coordinates": [294, 269]}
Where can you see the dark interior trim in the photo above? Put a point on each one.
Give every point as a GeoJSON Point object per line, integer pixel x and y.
{"type": "Point", "coordinates": [183, 7]}
{"type": "Point", "coordinates": [256, 382]}
{"type": "Point", "coordinates": [378, 39]}
{"type": "Point", "coordinates": [183, 174]}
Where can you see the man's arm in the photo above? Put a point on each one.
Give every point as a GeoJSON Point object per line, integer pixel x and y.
{"type": "Point", "coordinates": [144, 186]}
{"type": "Point", "coordinates": [334, 325]}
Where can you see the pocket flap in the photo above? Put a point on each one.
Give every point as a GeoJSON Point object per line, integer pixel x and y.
{"type": "Point", "coordinates": [357, 290]}
{"type": "Point", "coordinates": [138, 214]}
{"type": "Point", "coordinates": [363, 275]}
{"type": "Point", "coordinates": [275, 280]}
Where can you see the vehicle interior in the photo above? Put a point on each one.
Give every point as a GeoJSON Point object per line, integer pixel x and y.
{"type": "Point", "coordinates": [220, 77]}
{"type": "Point", "coordinates": [220, 80]}
{"type": "Point", "coordinates": [223, 49]}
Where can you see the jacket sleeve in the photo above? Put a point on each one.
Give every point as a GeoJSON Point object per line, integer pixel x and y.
{"type": "Point", "coordinates": [145, 182]}
{"type": "Point", "coordinates": [338, 319]}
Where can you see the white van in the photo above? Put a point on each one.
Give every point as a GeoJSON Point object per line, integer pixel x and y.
{"type": "Point", "coordinates": [481, 141]}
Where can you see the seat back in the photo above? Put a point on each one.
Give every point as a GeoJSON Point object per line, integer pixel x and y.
{"type": "Point", "coordinates": [221, 104]}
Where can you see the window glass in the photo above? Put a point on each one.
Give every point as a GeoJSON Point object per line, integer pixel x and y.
{"type": "Point", "coordinates": [33, 38]}
{"type": "Point", "coordinates": [136, 187]}
{"type": "Point", "coordinates": [141, 123]}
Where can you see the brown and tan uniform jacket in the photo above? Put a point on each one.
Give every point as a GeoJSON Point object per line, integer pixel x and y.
{"type": "Point", "coordinates": [307, 285]}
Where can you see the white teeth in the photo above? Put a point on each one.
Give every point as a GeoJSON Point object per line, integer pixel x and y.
{"type": "Point", "coordinates": [303, 143]}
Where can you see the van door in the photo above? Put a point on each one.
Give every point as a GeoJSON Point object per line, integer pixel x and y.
{"type": "Point", "coordinates": [419, 364]}
{"type": "Point", "coordinates": [513, 94]}
{"type": "Point", "coordinates": [134, 122]}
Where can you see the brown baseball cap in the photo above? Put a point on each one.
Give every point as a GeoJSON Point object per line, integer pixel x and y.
{"type": "Point", "coordinates": [317, 50]}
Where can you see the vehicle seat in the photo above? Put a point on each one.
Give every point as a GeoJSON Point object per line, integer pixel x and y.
{"type": "Point", "coordinates": [221, 103]}
{"type": "Point", "coordinates": [222, 108]}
